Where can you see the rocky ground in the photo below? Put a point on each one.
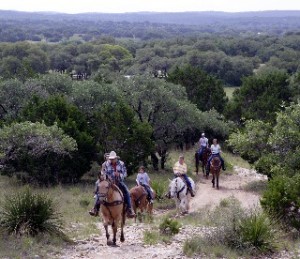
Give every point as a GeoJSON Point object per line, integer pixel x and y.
{"type": "Point", "coordinates": [133, 247]}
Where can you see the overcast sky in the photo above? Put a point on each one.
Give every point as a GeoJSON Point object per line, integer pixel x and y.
{"type": "Point", "coordinates": [120, 6]}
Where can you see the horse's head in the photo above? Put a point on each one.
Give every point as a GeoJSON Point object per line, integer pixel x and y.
{"type": "Point", "coordinates": [175, 186]}
{"type": "Point", "coordinates": [216, 162]}
{"type": "Point", "coordinates": [103, 189]}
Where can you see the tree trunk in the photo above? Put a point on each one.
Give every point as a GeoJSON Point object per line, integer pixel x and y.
{"type": "Point", "coordinates": [154, 160]}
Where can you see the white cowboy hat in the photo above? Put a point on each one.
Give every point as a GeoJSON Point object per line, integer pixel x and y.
{"type": "Point", "coordinates": [203, 134]}
{"type": "Point", "coordinates": [112, 155]}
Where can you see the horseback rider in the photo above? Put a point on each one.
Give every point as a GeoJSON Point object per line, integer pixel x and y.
{"type": "Point", "coordinates": [203, 144]}
{"type": "Point", "coordinates": [115, 170]}
{"type": "Point", "coordinates": [95, 210]}
{"type": "Point", "coordinates": [215, 151]}
{"type": "Point", "coordinates": [180, 169]}
{"type": "Point", "coordinates": [143, 179]}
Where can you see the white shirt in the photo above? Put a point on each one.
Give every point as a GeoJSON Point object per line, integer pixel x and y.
{"type": "Point", "coordinates": [215, 149]}
{"type": "Point", "coordinates": [143, 178]}
{"type": "Point", "coordinates": [203, 142]}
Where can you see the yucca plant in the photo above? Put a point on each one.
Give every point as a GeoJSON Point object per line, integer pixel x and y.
{"type": "Point", "coordinates": [257, 232]}
{"type": "Point", "coordinates": [169, 227]}
{"type": "Point", "coordinates": [30, 214]}
{"type": "Point", "coordinates": [160, 188]}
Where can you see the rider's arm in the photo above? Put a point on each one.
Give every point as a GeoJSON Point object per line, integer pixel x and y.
{"type": "Point", "coordinates": [123, 172]}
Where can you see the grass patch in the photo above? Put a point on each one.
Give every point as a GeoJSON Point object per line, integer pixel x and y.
{"type": "Point", "coordinates": [200, 246]}
{"type": "Point", "coordinates": [151, 237]}
{"type": "Point", "coordinates": [256, 186]}
{"type": "Point", "coordinates": [229, 91]}
{"type": "Point", "coordinates": [232, 159]}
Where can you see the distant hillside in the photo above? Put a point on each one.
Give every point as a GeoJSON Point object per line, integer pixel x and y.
{"type": "Point", "coordinates": [189, 18]}
{"type": "Point", "coordinates": [54, 27]}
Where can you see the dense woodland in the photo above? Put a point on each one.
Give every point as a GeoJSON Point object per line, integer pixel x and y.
{"type": "Point", "coordinates": [148, 84]}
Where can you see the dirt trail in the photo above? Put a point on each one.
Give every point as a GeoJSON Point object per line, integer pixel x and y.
{"type": "Point", "coordinates": [230, 185]}
{"type": "Point", "coordinates": [133, 247]}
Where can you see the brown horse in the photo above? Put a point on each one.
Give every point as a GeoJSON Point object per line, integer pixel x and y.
{"type": "Point", "coordinates": [138, 196]}
{"type": "Point", "coordinates": [112, 209]}
{"type": "Point", "coordinates": [205, 155]}
{"type": "Point", "coordinates": [215, 168]}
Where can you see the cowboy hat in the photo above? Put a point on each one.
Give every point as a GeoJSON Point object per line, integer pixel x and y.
{"type": "Point", "coordinates": [112, 155]}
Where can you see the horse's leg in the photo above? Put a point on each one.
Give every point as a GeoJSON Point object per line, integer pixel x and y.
{"type": "Point", "coordinates": [114, 227]}
{"type": "Point", "coordinates": [213, 180]}
{"type": "Point", "coordinates": [122, 238]}
{"type": "Point", "coordinates": [107, 234]}
{"type": "Point", "coordinates": [218, 174]}
{"type": "Point", "coordinates": [187, 205]}
{"type": "Point", "coordinates": [197, 162]}
{"type": "Point", "coordinates": [203, 170]}
{"type": "Point", "coordinates": [134, 209]}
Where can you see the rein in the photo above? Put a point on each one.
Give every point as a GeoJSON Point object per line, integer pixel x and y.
{"type": "Point", "coordinates": [215, 167]}
{"type": "Point", "coordinates": [178, 192]}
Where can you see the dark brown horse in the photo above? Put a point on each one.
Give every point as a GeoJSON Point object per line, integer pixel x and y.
{"type": "Point", "coordinates": [138, 196]}
{"type": "Point", "coordinates": [215, 168]}
{"type": "Point", "coordinates": [112, 209]}
{"type": "Point", "coordinates": [205, 155]}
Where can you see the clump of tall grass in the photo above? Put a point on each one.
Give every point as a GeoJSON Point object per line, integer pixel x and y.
{"type": "Point", "coordinates": [29, 214]}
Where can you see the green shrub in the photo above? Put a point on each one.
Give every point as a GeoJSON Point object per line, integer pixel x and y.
{"type": "Point", "coordinates": [30, 214]}
{"type": "Point", "coordinates": [169, 227]}
{"type": "Point", "coordinates": [281, 199]}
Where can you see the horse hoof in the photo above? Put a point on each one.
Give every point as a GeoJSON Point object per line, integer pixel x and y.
{"type": "Point", "coordinates": [110, 243]}
{"type": "Point", "coordinates": [122, 239]}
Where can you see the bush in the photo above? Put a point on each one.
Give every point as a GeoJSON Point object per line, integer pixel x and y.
{"type": "Point", "coordinates": [169, 227]}
{"type": "Point", "coordinates": [30, 214]}
{"type": "Point", "coordinates": [281, 199]}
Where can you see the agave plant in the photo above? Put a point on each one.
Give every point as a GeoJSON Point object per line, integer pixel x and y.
{"type": "Point", "coordinates": [30, 214]}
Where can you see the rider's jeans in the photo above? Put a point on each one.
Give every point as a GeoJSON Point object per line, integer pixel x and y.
{"type": "Point", "coordinates": [125, 191]}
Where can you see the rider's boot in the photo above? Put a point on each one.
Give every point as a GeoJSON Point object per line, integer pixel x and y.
{"type": "Point", "coordinates": [192, 192]}
{"type": "Point", "coordinates": [94, 212]}
{"type": "Point", "coordinates": [130, 213]}
{"type": "Point", "coordinates": [168, 195]}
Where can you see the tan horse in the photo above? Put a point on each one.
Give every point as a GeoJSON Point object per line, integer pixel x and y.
{"type": "Point", "coordinates": [112, 209]}
{"type": "Point", "coordinates": [215, 168]}
{"type": "Point", "coordinates": [138, 196]}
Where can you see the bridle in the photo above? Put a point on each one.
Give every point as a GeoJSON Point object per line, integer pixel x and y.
{"type": "Point", "coordinates": [176, 188]}
{"type": "Point", "coordinates": [104, 196]}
